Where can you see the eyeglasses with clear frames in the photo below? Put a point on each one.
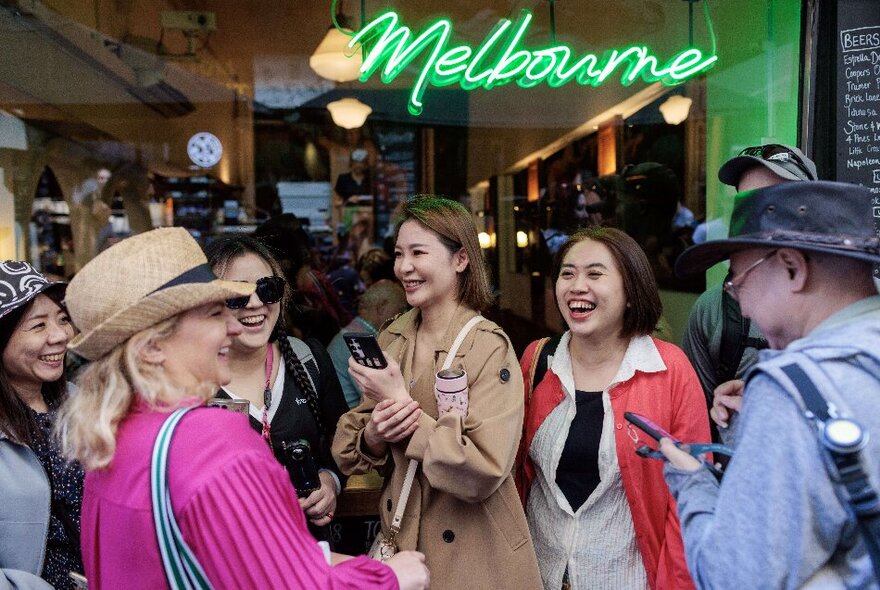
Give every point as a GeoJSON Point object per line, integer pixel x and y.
{"type": "Point", "coordinates": [733, 284]}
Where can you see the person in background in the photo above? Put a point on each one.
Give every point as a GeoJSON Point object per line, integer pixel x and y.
{"type": "Point", "coordinates": [719, 342]}
{"type": "Point", "coordinates": [317, 313]}
{"type": "Point", "coordinates": [462, 512]}
{"type": "Point", "coordinates": [290, 398]}
{"type": "Point", "coordinates": [357, 180]}
{"type": "Point", "coordinates": [647, 200]}
{"type": "Point", "coordinates": [598, 513]}
{"type": "Point", "coordinates": [374, 265]}
{"type": "Point", "coordinates": [155, 325]}
{"type": "Point", "coordinates": [87, 217]}
{"type": "Point", "coordinates": [801, 257]}
{"type": "Point", "coordinates": [41, 493]}
{"type": "Point", "coordinates": [381, 302]}
{"type": "Point", "coordinates": [347, 282]}
{"type": "Point", "coordinates": [595, 203]}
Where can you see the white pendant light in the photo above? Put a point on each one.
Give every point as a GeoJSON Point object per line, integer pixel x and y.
{"type": "Point", "coordinates": [333, 60]}
{"type": "Point", "coordinates": [349, 113]}
{"type": "Point", "coordinates": [675, 109]}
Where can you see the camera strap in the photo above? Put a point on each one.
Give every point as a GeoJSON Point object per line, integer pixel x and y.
{"type": "Point", "coordinates": [861, 495]}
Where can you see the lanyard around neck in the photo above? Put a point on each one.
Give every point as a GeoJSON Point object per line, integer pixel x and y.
{"type": "Point", "coordinates": [267, 392]}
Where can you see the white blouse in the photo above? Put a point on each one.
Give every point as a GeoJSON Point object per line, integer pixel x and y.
{"type": "Point", "coordinates": [598, 542]}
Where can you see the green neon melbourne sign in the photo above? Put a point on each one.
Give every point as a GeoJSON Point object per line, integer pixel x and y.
{"type": "Point", "coordinates": [500, 59]}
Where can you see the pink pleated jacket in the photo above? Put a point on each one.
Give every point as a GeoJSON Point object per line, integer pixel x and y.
{"type": "Point", "coordinates": [234, 503]}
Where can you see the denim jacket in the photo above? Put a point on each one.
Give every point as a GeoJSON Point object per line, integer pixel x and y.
{"type": "Point", "coordinates": [778, 520]}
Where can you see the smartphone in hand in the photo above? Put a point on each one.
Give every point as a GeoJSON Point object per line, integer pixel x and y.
{"type": "Point", "coordinates": [648, 427]}
{"type": "Point", "coordinates": [365, 350]}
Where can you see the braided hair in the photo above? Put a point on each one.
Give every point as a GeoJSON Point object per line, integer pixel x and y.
{"type": "Point", "coordinates": [295, 367]}
{"type": "Point", "coordinates": [220, 253]}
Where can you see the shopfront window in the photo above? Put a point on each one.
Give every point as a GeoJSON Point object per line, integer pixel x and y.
{"type": "Point", "coordinates": [120, 117]}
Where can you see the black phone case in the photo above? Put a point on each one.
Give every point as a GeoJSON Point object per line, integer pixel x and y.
{"type": "Point", "coordinates": [365, 350]}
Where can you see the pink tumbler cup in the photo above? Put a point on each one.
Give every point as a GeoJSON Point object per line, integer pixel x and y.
{"type": "Point", "coordinates": [451, 391]}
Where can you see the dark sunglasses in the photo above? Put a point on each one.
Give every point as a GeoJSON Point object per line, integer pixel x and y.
{"type": "Point", "coordinates": [775, 150]}
{"type": "Point", "coordinates": [269, 290]}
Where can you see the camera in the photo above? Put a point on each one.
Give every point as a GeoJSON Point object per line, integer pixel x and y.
{"type": "Point", "coordinates": [296, 456]}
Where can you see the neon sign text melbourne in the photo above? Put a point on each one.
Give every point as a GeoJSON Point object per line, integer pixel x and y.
{"type": "Point", "coordinates": [500, 59]}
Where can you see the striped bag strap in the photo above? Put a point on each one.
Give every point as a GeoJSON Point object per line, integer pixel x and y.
{"type": "Point", "coordinates": [182, 569]}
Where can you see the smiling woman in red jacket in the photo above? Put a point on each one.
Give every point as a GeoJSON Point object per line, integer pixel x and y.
{"type": "Point", "coordinates": [599, 515]}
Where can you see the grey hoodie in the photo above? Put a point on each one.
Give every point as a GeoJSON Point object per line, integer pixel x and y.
{"type": "Point", "coordinates": [778, 521]}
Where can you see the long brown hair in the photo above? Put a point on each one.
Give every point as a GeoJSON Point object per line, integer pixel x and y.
{"type": "Point", "coordinates": [454, 227]}
{"type": "Point", "coordinates": [643, 308]}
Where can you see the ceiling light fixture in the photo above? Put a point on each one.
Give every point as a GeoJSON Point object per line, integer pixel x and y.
{"type": "Point", "coordinates": [332, 60]}
{"type": "Point", "coordinates": [349, 113]}
{"type": "Point", "coordinates": [675, 109]}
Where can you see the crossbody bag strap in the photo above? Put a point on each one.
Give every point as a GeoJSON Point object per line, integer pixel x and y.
{"type": "Point", "coordinates": [182, 569]}
{"type": "Point", "coordinates": [863, 498]}
{"type": "Point", "coordinates": [456, 344]}
{"type": "Point", "coordinates": [413, 465]}
{"type": "Point", "coordinates": [404, 496]}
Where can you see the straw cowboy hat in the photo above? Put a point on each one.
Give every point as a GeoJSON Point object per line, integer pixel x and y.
{"type": "Point", "coordinates": [138, 283]}
{"type": "Point", "coordinates": [830, 217]}
{"type": "Point", "coordinates": [20, 283]}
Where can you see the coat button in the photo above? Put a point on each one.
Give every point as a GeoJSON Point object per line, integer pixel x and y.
{"type": "Point", "coordinates": [448, 536]}
{"type": "Point", "coordinates": [619, 427]}
{"type": "Point", "coordinates": [388, 504]}
{"type": "Point", "coordinates": [505, 375]}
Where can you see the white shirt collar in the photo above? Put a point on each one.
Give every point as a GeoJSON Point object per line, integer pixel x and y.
{"type": "Point", "coordinates": [641, 355]}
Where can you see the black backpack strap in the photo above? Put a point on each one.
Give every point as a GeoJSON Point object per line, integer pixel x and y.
{"type": "Point", "coordinates": [548, 350]}
{"type": "Point", "coordinates": [734, 331]}
{"type": "Point", "coordinates": [863, 498]}
{"type": "Point", "coordinates": [734, 338]}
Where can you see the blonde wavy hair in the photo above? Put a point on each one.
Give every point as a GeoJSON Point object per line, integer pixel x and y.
{"type": "Point", "coordinates": [107, 390]}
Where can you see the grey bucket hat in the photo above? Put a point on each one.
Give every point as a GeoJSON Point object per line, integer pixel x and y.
{"type": "Point", "coordinates": [785, 161]}
{"type": "Point", "coordinates": [831, 217]}
{"type": "Point", "coordinates": [20, 283]}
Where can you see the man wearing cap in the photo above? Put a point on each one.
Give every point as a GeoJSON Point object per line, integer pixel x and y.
{"type": "Point", "coordinates": [719, 342]}
{"type": "Point", "coordinates": [801, 257]}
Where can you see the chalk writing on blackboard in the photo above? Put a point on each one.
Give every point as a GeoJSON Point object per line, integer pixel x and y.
{"type": "Point", "coordinates": [859, 107]}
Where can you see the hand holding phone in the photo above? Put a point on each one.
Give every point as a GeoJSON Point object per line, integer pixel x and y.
{"type": "Point", "coordinates": [648, 427]}
{"type": "Point", "coordinates": [656, 432]}
{"type": "Point", "coordinates": [365, 350]}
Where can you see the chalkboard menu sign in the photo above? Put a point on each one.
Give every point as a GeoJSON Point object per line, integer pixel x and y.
{"type": "Point", "coordinates": [396, 173]}
{"type": "Point", "coordinates": [858, 94]}
{"type": "Point", "coordinates": [858, 98]}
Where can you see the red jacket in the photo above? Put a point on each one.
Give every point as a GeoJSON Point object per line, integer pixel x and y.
{"type": "Point", "coordinates": [674, 400]}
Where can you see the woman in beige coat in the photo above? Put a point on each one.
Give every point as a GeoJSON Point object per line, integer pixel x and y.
{"type": "Point", "coordinates": [463, 512]}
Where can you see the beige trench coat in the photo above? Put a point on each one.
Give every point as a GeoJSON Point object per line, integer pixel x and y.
{"type": "Point", "coordinates": [463, 513]}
